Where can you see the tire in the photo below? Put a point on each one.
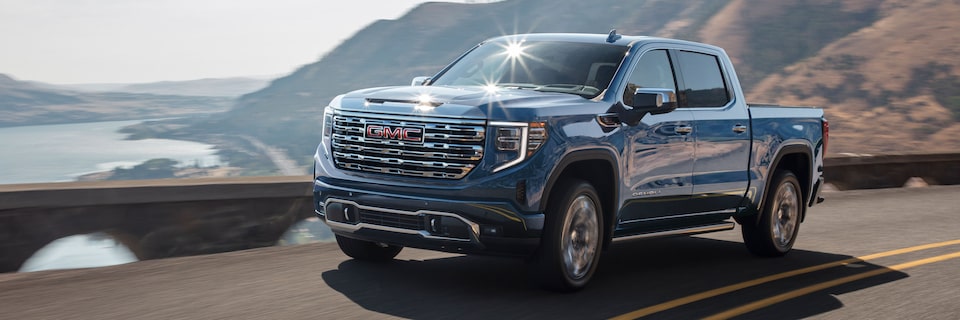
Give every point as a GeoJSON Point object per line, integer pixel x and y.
{"type": "Point", "coordinates": [779, 223]}
{"type": "Point", "coordinates": [569, 249]}
{"type": "Point", "coordinates": [366, 250]}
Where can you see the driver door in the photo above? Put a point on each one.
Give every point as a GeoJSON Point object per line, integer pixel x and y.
{"type": "Point", "coordinates": [660, 150]}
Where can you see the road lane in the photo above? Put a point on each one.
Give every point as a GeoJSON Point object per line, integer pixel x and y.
{"type": "Point", "coordinates": [757, 305]}
{"type": "Point", "coordinates": [317, 281]}
{"type": "Point", "coordinates": [755, 282]}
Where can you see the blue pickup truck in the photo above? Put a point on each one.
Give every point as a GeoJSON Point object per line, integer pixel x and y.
{"type": "Point", "coordinates": [555, 146]}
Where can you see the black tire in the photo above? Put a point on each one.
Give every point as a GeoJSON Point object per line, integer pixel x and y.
{"type": "Point", "coordinates": [569, 249]}
{"type": "Point", "coordinates": [776, 231]}
{"type": "Point", "coordinates": [366, 250]}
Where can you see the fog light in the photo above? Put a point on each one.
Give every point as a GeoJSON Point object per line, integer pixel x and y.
{"type": "Point", "coordinates": [433, 224]}
{"type": "Point", "coordinates": [344, 213]}
{"type": "Point", "coordinates": [447, 227]}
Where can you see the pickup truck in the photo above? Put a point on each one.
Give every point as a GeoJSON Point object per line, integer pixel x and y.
{"type": "Point", "coordinates": [554, 147]}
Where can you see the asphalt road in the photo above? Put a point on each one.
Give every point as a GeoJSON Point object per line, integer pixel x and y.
{"type": "Point", "coordinates": [673, 276]}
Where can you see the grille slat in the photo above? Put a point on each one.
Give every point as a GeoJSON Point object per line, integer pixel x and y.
{"type": "Point", "coordinates": [392, 220]}
{"type": "Point", "coordinates": [450, 148]}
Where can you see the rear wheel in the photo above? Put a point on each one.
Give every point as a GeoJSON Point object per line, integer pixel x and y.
{"type": "Point", "coordinates": [570, 248]}
{"type": "Point", "coordinates": [779, 223]}
{"type": "Point", "coordinates": [366, 250]}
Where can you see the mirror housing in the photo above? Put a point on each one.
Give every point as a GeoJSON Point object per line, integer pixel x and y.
{"type": "Point", "coordinates": [654, 100]}
{"type": "Point", "coordinates": [648, 100]}
{"type": "Point", "coordinates": [420, 81]}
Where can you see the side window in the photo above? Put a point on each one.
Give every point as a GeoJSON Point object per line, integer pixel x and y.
{"type": "Point", "coordinates": [652, 71]}
{"type": "Point", "coordinates": [702, 80]}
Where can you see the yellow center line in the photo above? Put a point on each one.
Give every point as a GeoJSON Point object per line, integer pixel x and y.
{"type": "Point", "coordinates": [746, 284]}
{"type": "Point", "coordinates": [824, 285]}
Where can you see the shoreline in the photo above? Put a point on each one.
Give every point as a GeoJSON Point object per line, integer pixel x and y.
{"type": "Point", "coordinates": [88, 151]}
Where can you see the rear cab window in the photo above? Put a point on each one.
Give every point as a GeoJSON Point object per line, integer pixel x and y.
{"type": "Point", "coordinates": [703, 85]}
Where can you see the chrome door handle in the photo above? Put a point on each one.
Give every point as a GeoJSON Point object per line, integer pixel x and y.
{"type": "Point", "coordinates": [739, 128]}
{"type": "Point", "coordinates": [684, 130]}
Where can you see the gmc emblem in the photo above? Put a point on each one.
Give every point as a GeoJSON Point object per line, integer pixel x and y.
{"type": "Point", "coordinates": [410, 134]}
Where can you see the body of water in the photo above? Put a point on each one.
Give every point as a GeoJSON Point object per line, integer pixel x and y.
{"type": "Point", "coordinates": [61, 152]}
{"type": "Point", "coordinates": [56, 153]}
{"type": "Point", "coordinates": [79, 251]}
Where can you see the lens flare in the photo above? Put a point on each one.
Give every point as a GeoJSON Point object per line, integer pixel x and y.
{"type": "Point", "coordinates": [491, 88]}
{"type": "Point", "coordinates": [425, 99]}
{"type": "Point", "coordinates": [424, 102]}
{"type": "Point", "coordinates": [514, 50]}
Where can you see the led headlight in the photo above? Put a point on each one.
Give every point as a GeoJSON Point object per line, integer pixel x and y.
{"type": "Point", "coordinates": [326, 131]}
{"type": "Point", "coordinates": [327, 122]}
{"type": "Point", "coordinates": [517, 141]}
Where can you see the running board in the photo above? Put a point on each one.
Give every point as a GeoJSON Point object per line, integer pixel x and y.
{"type": "Point", "coordinates": [722, 226]}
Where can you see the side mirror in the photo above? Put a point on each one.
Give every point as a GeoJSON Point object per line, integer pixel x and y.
{"type": "Point", "coordinates": [647, 100]}
{"type": "Point", "coordinates": [419, 81]}
{"type": "Point", "coordinates": [654, 100]}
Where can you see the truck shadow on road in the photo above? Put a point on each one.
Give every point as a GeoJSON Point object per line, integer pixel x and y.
{"type": "Point", "coordinates": [631, 276]}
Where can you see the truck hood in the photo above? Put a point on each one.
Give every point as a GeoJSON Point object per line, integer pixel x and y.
{"type": "Point", "coordinates": [462, 101]}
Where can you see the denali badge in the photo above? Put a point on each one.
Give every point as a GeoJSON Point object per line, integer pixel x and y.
{"type": "Point", "coordinates": [410, 134]}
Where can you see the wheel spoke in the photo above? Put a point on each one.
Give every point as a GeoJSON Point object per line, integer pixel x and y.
{"type": "Point", "coordinates": [786, 215]}
{"type": "Point", "coordinates": [580, 236]}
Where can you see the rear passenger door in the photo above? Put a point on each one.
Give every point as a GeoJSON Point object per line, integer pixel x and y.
{"type": "Point", "coordinates": [721, 131]}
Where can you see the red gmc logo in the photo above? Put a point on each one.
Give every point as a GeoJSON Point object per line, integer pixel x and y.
{"type": "Point", "coordinates": [411, 134]}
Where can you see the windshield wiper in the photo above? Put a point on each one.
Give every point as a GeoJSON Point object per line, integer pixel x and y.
{"type": "Point", "coordinates": [518, 85]}
{"type": "Point", "coordinates": [577, 89]}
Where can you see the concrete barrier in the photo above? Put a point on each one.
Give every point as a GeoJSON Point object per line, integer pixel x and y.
{"type": "Point", "coordinates": [169, 218]}
{"type": "Point", "coordinates": [154, 218]}
{"type": "Point", "coordinates": [847, 172]}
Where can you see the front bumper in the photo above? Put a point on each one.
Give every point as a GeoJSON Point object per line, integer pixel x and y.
{"type": "Point", "coordinates": [476, 227]}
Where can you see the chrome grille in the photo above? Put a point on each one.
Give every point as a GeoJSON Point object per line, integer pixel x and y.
{"type": "Point", "coordinates": [450, 148]}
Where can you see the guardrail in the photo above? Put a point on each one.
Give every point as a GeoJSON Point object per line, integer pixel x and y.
{"type": "Point", "coordinates": [168, 218]}
{"type": "Point", "coordinates": [846, 172]}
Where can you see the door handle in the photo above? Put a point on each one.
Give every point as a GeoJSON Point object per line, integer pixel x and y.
{"type": "Point", "coordinates": [739, 128]}
{"type": "Point", "coordinates": [684, 129]}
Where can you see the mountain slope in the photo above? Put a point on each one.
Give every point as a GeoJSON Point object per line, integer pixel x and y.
{"type": "Point", "coordinates": [23, 103]}
{"type": "Point", "coordinates": [782, 49]}
{"type": "Point", "coordinates": [889, 87]}
{"type": "Point", "coordinates": [391, 52]}
{"type": "Point", "coordinates": [211, 87]}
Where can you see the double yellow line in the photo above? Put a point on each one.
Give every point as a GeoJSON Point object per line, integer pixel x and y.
{"type": "Point", "coordinates": [799, 292]}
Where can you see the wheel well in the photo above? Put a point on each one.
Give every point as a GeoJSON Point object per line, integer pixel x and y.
{"type": "Point", "coordinates": [799, 164]}
{"type": "Point", "coordinates": [600, 174]}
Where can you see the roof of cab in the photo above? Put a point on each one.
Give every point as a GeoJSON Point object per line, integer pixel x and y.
{"type": "Point", "coordinates": [623, 40]}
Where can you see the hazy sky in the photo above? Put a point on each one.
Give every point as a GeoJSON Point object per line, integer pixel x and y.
{"type": "Point", "coordinates": [122, 41]}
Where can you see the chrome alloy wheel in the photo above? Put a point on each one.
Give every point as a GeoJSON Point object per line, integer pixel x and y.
{"type": "Point", "coordinates": [786, 216]}
{"type": "Point", "coordinates": [580, 237]}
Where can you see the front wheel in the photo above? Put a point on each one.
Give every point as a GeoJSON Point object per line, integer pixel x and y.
{"type": "Point", "coordinates": [570, 248]}
{"type": "Point", "coordinates": [779, 223]}
{"type": "Point", "coordinates": [366, 250]}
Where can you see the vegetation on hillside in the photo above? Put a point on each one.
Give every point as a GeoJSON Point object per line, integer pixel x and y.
{"type": "Point", "coordinates": [873, 64]}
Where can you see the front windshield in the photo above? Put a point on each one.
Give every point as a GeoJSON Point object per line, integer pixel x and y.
{"type": "Point", "coordinates": [584, 69]}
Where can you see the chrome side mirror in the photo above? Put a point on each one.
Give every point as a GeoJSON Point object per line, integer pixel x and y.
{"type": "Point", "coordinates": [654, 100]}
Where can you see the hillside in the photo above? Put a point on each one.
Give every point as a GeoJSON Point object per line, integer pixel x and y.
{"type": "Point", "coordinates": [24, 103]}
{"type": "Point", "coordinates": [213, 87]}
{"type": "Point", "coordinates": [893, 86]}
{"type": "Point", "coordinates": [874, 64]}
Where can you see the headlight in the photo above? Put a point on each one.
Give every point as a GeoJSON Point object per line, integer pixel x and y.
{"type": "Point", "coordinates": [517, 141]}
{"type": "Point", "coordinates": [326, 131]}
{"type": "Point", "coordinates": [327, 126]}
